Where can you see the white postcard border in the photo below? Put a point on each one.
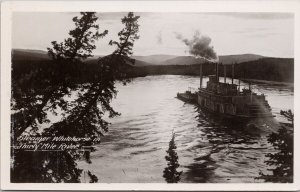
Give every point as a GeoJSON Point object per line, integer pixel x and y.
{"type": "Point", "coordinates": [7, 8]}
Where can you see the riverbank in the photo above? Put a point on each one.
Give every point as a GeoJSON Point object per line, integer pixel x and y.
{"type": "Point", "coordinates": [268, 69]}
{"type": "Point", "coordinates": [270, 83]}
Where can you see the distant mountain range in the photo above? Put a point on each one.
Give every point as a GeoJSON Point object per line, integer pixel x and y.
{"type": "Point", "coordinates": [24, 54]}
{"type": "Point", "coordinates": [155, 59]}
{"type": "Point", "coordinates": [249, 66]}
{"type": "Point", "coordinates": [29, 54]}
{"type": "Point", "coordinates": [189, 60]}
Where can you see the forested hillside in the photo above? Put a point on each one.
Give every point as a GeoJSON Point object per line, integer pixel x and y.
{"type": "Point", "coordinates": [264, 68]}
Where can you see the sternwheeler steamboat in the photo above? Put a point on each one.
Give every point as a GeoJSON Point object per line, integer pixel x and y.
{"type": "Point", "coordinates": [226, 100]}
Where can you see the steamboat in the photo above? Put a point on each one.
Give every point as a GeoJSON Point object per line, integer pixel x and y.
{"type": "Point", "coordinates": [226, 100]}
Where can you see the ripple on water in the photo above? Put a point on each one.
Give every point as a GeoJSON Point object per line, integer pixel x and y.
{"type": "Point", "coordinates": [134, 150]}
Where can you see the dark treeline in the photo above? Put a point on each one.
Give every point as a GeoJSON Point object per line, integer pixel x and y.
{"type": "Point", "coordinates": [271, 69]}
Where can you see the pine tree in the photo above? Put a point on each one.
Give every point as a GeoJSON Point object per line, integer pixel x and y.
{"type": "Point", "coordinates": [93, 178]}
{"type": "Point", "coordinates": [50, 84]}
{"type": "Point", "coordinates": [81, 117]}
{"type": "Point", "coordinates": [170, 173]}
{"type": "Point", "coordinates": [288, 115]}
{"type": "Point", "coordinates": [82, 39]}
{"type": "Point", "coordinates": [282, 142]}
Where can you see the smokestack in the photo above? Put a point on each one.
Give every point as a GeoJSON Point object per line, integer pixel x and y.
{"type": "Point", "coordinates": [232, 74]}
{"type": "Point", "coordinates": [200, 75]}
{"type": "Point", "coordinates": [200, 47]}
{"type": "Point", "coordinates": [218, 72]}
{"type": "Point", "coordinates": [250, 92]}
{"type": "Point", "coordinates": [216, 69]}
{"type": "Point", "coordinates": [224, 73]}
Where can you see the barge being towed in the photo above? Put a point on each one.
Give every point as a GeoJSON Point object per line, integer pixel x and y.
{"type": "Point", "coordinates": [226, 100]}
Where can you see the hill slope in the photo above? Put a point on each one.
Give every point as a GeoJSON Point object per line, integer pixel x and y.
{"type": "Point", "coordinates": [225, 59]}
{"type": "Point", "coordinates": [38, 55]}
{"type": "Point", "coordinates": [154, 59]}
{"type": "Point", "coordinates": [24, 54]}
{"type": "Point", "coordinates": [248, 66]}
{"type": "Point", "coordinates": [27, 54]}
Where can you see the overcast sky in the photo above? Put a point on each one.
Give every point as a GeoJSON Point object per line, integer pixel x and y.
{"type": "Point", "coordinates": [268, 34]}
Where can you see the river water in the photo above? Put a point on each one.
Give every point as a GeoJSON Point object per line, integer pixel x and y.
{"type": "Point", "coordinates": [134, 149]}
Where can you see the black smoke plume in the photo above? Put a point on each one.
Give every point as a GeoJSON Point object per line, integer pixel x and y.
{"type": "Point", "coordinates": [199, 46]}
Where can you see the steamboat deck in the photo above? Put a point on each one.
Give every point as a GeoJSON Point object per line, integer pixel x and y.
{"type": "Point", "coordinates": [226, 100]}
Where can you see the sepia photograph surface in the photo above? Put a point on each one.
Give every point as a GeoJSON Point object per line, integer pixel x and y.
{"type": "Point", "coordinates": [151, 97]}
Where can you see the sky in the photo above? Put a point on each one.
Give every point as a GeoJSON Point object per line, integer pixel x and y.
{"type": "Point", "coordinates": [267, 34]}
